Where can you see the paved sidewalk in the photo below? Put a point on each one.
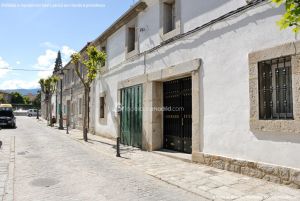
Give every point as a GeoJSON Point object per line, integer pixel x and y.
{"type": "Point", "coordinates": [6, 168]}
{"type": "Point", "coordinates": [207, 182]}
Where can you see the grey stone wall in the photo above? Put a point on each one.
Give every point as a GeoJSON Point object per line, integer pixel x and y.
{"type": "Point", "coordinates": [272, 173]}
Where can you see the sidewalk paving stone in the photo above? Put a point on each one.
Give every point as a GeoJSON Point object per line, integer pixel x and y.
{"type": "Point", "coordinates": [208, 182]}
{"type": "Point", "coordinates": [5, 164]}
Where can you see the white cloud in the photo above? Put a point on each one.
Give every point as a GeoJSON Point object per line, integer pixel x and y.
{"type": "Point", "coordinates": [46, 61]}
{"type": "Point", "coordinates": [19, 84]}
{"type": "Point", "coordinates": [49, 45]}
{"type": "Point", "coordinates": [3, 64]}
{"type": "Point", "coordinates": [66, 54]}
{"type": "Point", "coordinates": [67, 51]}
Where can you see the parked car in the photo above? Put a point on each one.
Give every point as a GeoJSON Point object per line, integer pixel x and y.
{"type": "Point", "coordinates": [6, 106]}
{"type": "Point", "coordinates": [32, 112]}
{"type": "Point", "coordinates": [7, 117]}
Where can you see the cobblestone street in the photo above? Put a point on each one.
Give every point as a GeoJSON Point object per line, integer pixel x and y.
{"type": "Point", "coordinates": [51, 165]}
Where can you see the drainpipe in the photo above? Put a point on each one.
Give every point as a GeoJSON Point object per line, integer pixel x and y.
{"type": "Point", "coordinates": [119, 112]}
{"type": "Point", "coordinates": [56, 101]}
{"type": "Point", "coordinates": [145, 67]}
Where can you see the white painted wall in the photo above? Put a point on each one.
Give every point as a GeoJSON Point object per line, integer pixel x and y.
{"type": "Point", "coordinates": [115, 48]}
{"type": "Point", "coordinates": [53, 103]}
{"type": "Point", "coordinates": [149, 20]}
{"type": "Point", "coordinates": [224, 50]}
{"type": "Point", "coordinates": [202, 11]}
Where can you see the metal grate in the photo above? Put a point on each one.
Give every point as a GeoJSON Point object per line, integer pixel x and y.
{"type": "Point", "coordinates": [178, 115]}
{"type": "Point", "coordinates": [102, 106]}
{"type": "Point", "coordinates": [275, 89]}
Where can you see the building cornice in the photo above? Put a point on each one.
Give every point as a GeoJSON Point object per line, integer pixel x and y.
{"type": "Point", "coordinates": [125, 18]}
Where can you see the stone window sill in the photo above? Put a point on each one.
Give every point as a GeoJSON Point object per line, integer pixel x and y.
{"type": "Point", "coordinates": [131, 54]}
{"type": "Point", "coordinates": [171, 34]}
{"type": "Point", "coordinates": [277, 125]}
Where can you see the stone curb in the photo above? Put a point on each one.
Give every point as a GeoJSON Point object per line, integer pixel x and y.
{"type": "Point", "coordinates": [276, 174]}
{"type": "Point", "coordinates": [9, 186]}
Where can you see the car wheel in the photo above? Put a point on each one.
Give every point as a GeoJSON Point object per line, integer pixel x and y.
{"type": "Point", "coordinates": [30, 115]}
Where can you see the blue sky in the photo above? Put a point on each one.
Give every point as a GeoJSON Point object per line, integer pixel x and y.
{"type": "Point", "coordinates": [31, 37]}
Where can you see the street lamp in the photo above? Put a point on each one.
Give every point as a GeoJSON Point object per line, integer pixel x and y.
{"type": "Point", "coordinates": [61, 126]}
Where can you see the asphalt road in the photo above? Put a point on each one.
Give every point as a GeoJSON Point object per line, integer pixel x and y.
{"type": "Point", "coordinates": [51, 166]}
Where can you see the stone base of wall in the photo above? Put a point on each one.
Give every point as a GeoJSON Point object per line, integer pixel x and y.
{"type": "Point", "coordinates": [92, 131]}
{"type": "Point", "coordinates": [276, 174]}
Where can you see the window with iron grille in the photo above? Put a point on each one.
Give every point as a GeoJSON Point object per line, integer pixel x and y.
{"type": "Point", "coordinates": [275, 89]}
{"type": "Point", "coordinates": [102, 105]}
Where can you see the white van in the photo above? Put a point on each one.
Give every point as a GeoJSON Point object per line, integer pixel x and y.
{"type": "Point", "coordinates": [32, 112]}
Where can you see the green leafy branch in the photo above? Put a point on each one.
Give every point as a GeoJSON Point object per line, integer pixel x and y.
{"type": "Point", "coordinates": [291, 18]}
{"type": "Point", "coordinates": [93, 62]}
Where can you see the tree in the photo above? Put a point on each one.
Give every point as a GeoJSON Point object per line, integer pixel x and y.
{"type": "Point", "coordinates": [2, 99]}
{"type": "Point", "coordinates": [291, 18]}
{"type": "Point", "coordinates": [48, 87]}
{"type": "Point", "coordinates": [92, 60]}
{"type": "Point", "coordinates": [58, 63]}
{"type": "Point", "coordinates": [17, 98]}
{"type": "Point", "coordinates": [26, 100]}
{"type": "Point", "coordinates": [37, 100]}
{"type": "Point", "coordinates": [57, 67]}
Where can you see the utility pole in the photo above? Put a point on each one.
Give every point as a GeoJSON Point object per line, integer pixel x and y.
{"type": "Point", "coordinates": [61, 127]}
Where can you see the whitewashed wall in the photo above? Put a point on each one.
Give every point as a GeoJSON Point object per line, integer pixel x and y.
{"type": "Point", "coordinates": [53, 103]}
{"type": "Point", "coordinates": [224, 50]}
{"type": "Point", "coordinates": [115, 48]}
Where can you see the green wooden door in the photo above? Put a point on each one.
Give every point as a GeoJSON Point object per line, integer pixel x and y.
{"type": "Point", "coordinates": [131, 116]}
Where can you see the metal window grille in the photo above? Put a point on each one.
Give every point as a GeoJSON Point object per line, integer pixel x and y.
{"type": "Point", "coordinates": [102, 104]}
{"type": "Point", "coordinates": [275, 89]}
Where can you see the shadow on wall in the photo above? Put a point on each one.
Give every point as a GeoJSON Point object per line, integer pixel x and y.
{"type": "Point", "coordinates": [277, 137]}
{"type": "Point", "coordinates": [114, 50]}
{"type": "Point", "coordinates": [203, 6]}
{"type": "Point", "coordinates": [207, 35]}
{"type": "Point", "coordinates": [189, 44]}
{"type": "Point", "coordinates": [199, 7]}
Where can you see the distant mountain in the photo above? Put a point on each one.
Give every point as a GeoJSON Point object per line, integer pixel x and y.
{"type": "Point", "coordinates": [23, 91]}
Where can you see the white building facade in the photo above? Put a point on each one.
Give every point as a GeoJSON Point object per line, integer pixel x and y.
{"type": "Point", "coordinates": [215, 79]}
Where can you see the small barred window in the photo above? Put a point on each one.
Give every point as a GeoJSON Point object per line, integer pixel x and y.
{"type": "Point", "coordinates": [102, 106]}
{"type": "Point", "coordinates": [275, 89]}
